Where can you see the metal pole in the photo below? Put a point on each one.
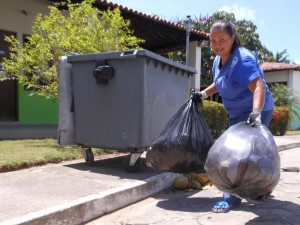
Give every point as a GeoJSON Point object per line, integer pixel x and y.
{"type": "Point", "coordinates": [187, 46]}
{"type": "Point", "coordinates": [187, 23]}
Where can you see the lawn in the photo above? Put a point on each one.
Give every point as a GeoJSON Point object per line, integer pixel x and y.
{"type": "Point", "coordinates": [18, 154]}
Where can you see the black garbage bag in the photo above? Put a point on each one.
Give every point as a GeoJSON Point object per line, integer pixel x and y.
{"type": "Point", "coordinates": [183, 144]}
{"type": "Point", "coordinates": [244, 161]}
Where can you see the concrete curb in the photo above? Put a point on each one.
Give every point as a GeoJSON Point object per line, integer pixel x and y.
{"type": "Point", "coordinates": [288, 146]}
{"type": "Point", "coordinates": [93, 206]}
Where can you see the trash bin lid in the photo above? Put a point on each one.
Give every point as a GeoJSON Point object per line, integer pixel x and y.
{"type": "Point", "coordinates": [128, 54]}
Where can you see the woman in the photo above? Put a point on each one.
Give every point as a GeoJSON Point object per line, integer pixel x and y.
{"type": "Point", "coordinates": [238, 78]}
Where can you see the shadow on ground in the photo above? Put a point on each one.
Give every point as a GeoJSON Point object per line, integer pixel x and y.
{"type": "Point", "coordinates": [271, 211]}
{"type": "Point", "coordinates": [114, 166]}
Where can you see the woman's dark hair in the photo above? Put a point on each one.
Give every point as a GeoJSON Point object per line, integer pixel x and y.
{"type": "Point", "coordinates": [230, 29]}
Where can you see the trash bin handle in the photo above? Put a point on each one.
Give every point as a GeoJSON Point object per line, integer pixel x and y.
{"type": "Point", "coordinates": [129, 54]}
{"type": "Point", "coordinates": [103, 73]}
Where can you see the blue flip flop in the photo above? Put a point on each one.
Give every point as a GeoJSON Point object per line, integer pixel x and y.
{"type": "Point", "coordinates": [221, 207]}
{"type": "Point", "coordinates": [232, 200]}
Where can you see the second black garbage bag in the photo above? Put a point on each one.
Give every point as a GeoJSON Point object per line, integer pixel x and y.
{"type": "Point", "coordinates": [183, 144]}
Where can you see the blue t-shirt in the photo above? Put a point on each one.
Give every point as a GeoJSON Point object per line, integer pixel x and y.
{"type": "Point", "coordinates": [233, 78]}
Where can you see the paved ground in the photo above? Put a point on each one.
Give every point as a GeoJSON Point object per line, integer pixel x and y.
{"type": "Point", "coordinates": [72, 193]}
{"type": "Point", "coordinates": [194, 208]}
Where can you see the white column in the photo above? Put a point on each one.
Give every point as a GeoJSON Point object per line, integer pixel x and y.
{"type": "Point", "coordinates": [195, 61]}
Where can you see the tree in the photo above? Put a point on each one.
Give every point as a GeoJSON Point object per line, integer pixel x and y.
{"type": "Point", "coordinates": [247, 33]}
{"type": "Point", "coordinates": [82, 29]}
{"type": "Point", "coordinates": [265, 55]}
{"type": "Point", "coordinates": [282, 57]}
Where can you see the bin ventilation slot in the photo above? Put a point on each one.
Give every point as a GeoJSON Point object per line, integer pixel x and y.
{"type": "Point", "coordinates": [129, 54]}
{"type": "Point", "coordinates": [103, 73]}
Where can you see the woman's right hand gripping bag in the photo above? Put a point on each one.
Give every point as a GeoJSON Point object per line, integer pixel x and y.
{"type": "Point", "coordinates": [244, 161]}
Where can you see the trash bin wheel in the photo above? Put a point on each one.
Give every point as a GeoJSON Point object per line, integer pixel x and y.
{"type": "Point", "coordinates": [88, 156]}
{"type": "Point", "coordinates": [132, 168]}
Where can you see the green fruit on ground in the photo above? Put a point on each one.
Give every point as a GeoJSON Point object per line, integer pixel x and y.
{"type": "Point", "coordinates": [189, 176]}
{"type": "Point", "coordinates": [201, 178]}
{"type": "Point", "coordinates": [180, 182]}
{"type": "Point", "coordinates": [195, 185]}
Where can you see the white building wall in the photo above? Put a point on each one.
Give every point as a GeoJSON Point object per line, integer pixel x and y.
{"type": "Point", "coordinates": [292, 78]}
{"type": "Point", "coordinates": [18, 15]}
{"type": "Point", "coordinates": [294, 81]}
{"type": "Point", "coordinates": [278, 76]}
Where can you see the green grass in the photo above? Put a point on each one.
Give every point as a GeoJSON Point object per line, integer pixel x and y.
{"type": "Point", "coordinates": [19, 154]}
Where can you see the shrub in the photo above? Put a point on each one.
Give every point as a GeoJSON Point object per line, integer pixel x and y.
{"type": "Point", "coordinates": [280, 119]}
{"type": "Point", "coordinates": [215, 116]}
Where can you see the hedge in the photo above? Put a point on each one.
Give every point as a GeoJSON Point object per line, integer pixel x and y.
{"type": "Point", "coordinates": [216, 117]}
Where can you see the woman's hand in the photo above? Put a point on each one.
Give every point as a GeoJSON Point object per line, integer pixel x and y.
{"type": "Point", "coordinates": [255, 116]}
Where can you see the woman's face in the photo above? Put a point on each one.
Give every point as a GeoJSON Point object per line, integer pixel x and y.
{"type": "Point", "coordinates": [221, 43]}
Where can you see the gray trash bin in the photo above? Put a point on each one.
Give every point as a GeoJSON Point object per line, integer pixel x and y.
{"type": "Point", "coordinates": [123, 100]}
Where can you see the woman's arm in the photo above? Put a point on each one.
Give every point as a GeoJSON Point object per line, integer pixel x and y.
{"type": "Point", "coordinates": [259, 93]}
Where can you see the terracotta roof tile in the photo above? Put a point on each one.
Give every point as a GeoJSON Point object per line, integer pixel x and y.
{"type": "Point", "coordinates": [155, 18]}
{"type": "Point", "coordinates": [276, 66]}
